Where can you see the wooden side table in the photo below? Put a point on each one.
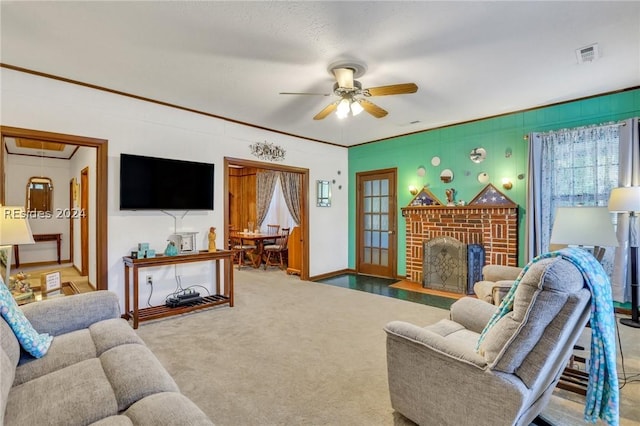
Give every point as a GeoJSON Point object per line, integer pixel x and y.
{"type": "Point", "coordinates": [132, 267]}
{"type": "Point", "coordinates": [39, 238]}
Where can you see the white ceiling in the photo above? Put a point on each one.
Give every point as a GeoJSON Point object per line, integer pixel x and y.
{"type": "Point", "coordinates": [231, 59]}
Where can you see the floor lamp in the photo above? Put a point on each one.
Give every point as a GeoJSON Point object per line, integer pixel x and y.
{"type": "Point", "coordinates": [627, 200]}
{"type": "Point", "coordinates": [14, 229]}
{"type": "Point", "coordinates": [584, 226]}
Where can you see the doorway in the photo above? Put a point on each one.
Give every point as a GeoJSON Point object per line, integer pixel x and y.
{"type": "Point", "coordinates": [376, 247]}
{"type": "Point", "coordinates": [101, 167]}
{"type": "Point", "coordinates": [231, 163]}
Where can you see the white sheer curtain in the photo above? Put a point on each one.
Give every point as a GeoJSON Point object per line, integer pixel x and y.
{"type": "Point", "coordinates": [570, 167]}
{"type": "Point", "coordinates": [278, 212]}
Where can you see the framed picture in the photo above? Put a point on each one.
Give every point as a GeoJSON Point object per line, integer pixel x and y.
{"type": "Point", "coordinates": [50, 283]}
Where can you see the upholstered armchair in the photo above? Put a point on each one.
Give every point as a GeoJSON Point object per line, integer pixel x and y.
{"type": "Point", "coordinates": [438, 376]}
{"type": "Point", "coordinates": [496, 282]}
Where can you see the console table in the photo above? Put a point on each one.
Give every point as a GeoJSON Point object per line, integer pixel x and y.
{"type": "Point", "coordinates": [134, 265]}
{"type": "Point", "coordinates": [39, 238]}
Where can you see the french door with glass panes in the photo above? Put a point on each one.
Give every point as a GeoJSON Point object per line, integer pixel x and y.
{"type": "Point", "coordinates": [376, 247]}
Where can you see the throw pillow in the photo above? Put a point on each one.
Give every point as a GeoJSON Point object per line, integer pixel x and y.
{"type": "Point", "coordinates": [35, 343]}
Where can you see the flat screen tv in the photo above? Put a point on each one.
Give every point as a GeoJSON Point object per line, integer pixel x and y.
{"type": "Point", "coordinates": [149, 183]}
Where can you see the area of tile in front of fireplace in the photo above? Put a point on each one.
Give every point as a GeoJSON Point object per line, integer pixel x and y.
{"type": "Point", "coordinates": [381, 286]}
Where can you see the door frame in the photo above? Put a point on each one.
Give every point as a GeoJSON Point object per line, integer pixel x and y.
{"type": "Point", "coordinates": [84, 221]}
{"type": "Point", "coordinates": [101, 214]}
{"type": "Point", "coordinates": [393, 224]}
{"type": "Point", "coordinates": [304, 201]}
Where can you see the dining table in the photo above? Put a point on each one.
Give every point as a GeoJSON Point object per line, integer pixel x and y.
{"type": "Point", "coordinates": [257, 239]}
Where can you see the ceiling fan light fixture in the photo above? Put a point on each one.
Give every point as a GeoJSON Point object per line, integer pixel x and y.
{"type": "Point", "coordinates": [356, 108]}
{"type": "Point", "coordinates": [343, 108]}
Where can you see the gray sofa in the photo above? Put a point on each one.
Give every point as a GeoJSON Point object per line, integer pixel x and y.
{"type": "Point", "coordinates": [96, 372]}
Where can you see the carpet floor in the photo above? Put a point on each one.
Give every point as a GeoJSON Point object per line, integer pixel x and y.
{"type": "Point", "coordinates": [294, 352]}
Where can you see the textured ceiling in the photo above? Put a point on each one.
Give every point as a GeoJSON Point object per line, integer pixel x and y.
{"type": "Point", "coordinates": [231, 59]}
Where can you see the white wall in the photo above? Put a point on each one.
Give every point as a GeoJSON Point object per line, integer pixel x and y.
{"type": "Point", "coordinates": [137, 127]}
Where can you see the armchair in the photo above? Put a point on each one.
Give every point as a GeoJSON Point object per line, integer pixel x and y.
{"type": "Point", "coordinates": [496, 282]}
{"type": "Point", "coordinates": [436, 375]}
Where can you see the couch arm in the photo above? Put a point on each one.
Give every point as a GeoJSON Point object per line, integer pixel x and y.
{"type": "Point", "coordinates": [472, 314]}
{"type": "Point", "coordinates": [431, 341]}
{"type": "Point", "coordinates": [434, 382]}
{"type": "Point", "coordinates": [62, 315]}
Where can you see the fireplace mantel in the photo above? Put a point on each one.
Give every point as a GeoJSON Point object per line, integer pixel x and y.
{"type": "Point", "coordinates": [495, 227]}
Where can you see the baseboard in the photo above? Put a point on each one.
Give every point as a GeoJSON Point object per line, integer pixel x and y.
{"type": "Point", "coordinates": [45, 263]}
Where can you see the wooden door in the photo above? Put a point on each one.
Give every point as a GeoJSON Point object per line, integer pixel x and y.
{"type": "Point", "coordinates": [376, 247]}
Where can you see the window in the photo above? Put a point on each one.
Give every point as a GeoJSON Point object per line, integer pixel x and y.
{"type": "Point", "coordinates": [578, 166]}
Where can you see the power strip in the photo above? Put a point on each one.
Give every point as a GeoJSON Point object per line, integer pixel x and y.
{"type": "Point", "coordinates": [174, 302]}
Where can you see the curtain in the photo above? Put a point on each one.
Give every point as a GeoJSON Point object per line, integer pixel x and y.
{"type": "Point", "coordinates": [265, 184]}
{"type": "Point", "coordinates": [569, 167]}
{"type": "Point", "coordinates": [291, 189]}
{"type": "Point", "coordinates": [533, 237]}
{"type": "Point", "coordinates": [629, 175]}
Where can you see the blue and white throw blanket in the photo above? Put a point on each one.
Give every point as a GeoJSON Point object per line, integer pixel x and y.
{"type": "Point", "coordinates": [602, 392]}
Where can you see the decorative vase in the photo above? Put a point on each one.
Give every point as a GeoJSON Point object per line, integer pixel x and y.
{"type": "Point", "coordinates": [171, 249]}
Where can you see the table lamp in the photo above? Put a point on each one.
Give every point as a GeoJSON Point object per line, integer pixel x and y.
{"type": "Point", "coordinates": [584, 226]}
{"type": "Point", "coordinates": [627, 200]}
{"type": "Point", "coordinates": [14, 229]}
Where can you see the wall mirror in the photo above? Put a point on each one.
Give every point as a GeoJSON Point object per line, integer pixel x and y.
{"type": "Point", "coordinates": [478, 155]}
{"type": "Point", "coordinates": [39, 194]}
{"type": "Point", "coordinates": [323, 193]}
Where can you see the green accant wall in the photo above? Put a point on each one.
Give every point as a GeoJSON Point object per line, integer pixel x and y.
{"type": "Point", "coordinates": [453, 144]}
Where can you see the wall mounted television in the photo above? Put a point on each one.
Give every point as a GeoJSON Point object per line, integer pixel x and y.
{"type": "Point", "coordinates": [150, 183]}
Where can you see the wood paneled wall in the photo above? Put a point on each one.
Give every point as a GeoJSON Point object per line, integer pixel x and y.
{"type": "Point", "coordinates": [242, 196]}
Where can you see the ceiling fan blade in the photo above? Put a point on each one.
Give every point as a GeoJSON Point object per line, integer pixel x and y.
{"type": "Point", "coordinates": [372, 108]}
{"type": "Point", "coordinates": [304, 93]}
{"type": "Point", "coordinates": [344, 77]}
{"type": "Point", "coordinates": [326, 111]}
{"type": "Point", "coordinates": [394, 89]}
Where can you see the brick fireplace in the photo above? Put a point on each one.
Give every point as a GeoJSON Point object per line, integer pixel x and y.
{"type": "Point", "coordinates": [490, 220]}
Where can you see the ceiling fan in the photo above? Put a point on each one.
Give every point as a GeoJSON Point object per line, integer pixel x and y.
{"type": "Point", "coordinates": [352, 95]}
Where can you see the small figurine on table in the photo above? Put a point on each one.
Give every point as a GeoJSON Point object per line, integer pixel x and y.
{"type": "Point", "coordinates": [212, 239]}
{"type": "Point", "coordinates": [450, 192]}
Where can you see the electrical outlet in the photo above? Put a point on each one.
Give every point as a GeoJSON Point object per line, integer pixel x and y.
{"type": "Point", "coordinates": [149, 280]}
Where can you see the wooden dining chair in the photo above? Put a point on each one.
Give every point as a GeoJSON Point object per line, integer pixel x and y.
{"type": "Point", "coordinates": [241, 250]}
{"type": "Point", "coordinates": [272, 229]}
{"type": "Point", "coordinates": [278, 249]}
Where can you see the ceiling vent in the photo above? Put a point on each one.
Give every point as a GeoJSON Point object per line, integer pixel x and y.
{"type": "Point", "coordinates": [588, 53]}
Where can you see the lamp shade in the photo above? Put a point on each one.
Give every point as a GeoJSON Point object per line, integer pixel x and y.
{"type": "Point", "coordinates": [625, 199]}
{"type": "Point", "coordinates": [583, 226]}
{"type": "Point", "coordinates": [14, 226]}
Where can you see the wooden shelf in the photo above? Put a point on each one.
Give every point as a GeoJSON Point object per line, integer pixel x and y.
{"type": "Point", "coordinates": [155, 312]}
